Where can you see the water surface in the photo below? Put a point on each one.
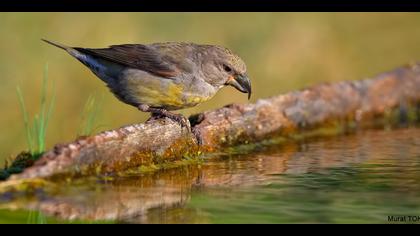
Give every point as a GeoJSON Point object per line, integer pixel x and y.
{"type": "Point", "coordinates": [359, 178]}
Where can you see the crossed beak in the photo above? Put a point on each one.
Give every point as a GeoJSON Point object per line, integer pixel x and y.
{"type": "Point", "coordinates": [241, 83]}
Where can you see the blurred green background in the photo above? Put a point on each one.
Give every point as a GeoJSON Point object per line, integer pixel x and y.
{"type": "Point", "coordinates": [283, 52]}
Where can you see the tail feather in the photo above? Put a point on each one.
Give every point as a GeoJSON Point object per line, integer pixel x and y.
{"type": "Point", "coordinates": [75, 53]}
{"type": "Point", "coordinates": [105, 70]}
{"type": "Point", "coordinates": [59, 45]}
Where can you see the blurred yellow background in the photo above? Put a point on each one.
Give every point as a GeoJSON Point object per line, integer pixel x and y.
{"type": "Point", "coordinates": [283, 52]}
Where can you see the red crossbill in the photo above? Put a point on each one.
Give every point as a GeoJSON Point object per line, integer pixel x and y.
{"type": "Point", "coordinates": [160, 77]}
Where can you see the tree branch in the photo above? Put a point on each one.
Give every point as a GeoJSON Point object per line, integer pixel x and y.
{"type": "Point", "coordinates": [163, 141]}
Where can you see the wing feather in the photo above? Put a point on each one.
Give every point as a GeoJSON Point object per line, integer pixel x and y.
{"type": "Point", "coordinates": [138, 56]}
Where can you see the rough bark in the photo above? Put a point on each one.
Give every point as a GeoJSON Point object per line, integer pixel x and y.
{"type": "Point", "coordinates": [163, 141]}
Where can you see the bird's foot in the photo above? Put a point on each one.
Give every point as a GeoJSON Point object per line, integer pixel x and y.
{"type": "Point", "coordinates": [180, 119]}
{"type": "Point", "coordinates": [161, 113]}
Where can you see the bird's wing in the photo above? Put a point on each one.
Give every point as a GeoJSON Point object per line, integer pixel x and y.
{"type": "Point", "coordinates": [164, 61]}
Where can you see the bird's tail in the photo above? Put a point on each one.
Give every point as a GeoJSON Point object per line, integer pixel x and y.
{"type": "Point", "coordinates": [100, 67]}
{"type": "Point", "coordinates": [72, 51]}
{"type": "Point", "coordinates": [59, 45]}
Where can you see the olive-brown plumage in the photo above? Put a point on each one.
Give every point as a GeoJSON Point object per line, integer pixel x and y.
{"type": "Point", "coordinates": [160, 77]}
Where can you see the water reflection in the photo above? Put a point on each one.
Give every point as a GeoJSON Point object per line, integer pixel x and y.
{"type": "Point", "coordinates": [356, 178]}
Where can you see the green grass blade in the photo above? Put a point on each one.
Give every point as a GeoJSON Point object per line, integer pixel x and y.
{"type": "Point", "coordinates": [42, 118]}
{"type": "Point", "coordinates": [29, 138]}
{"type": "Point", "coordinates": [36, 127]}
{"type": "Point", "coordinates": [36, 217]}
{"type": "Point", "coordinates": [40, 218]}
{"type": "Point", "coordinates": [50, 107]}
{"type": "Point", "coordinates": [89, 115]}
{"type": "Point", "coordinates": [96, 113]}
{"type": "Point", "coordinates": [30, 219]}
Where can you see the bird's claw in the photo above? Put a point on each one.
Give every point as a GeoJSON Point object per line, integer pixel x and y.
{"type": "Point", "coordinates": [158, 113]}
{"type": "Point", "coordinates": [178, 118]}
{"type": "Point", "coordinates": [182, 120]}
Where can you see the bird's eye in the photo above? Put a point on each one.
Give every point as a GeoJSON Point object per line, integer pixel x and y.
{"type": "Point", "coordinates": [227, 68]}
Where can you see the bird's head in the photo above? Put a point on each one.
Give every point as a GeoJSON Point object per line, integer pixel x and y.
{"type": "Point", "coordinates": [229, 69]}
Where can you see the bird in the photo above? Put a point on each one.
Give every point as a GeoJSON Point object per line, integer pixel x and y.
{"type": "Point", "coordinates": [163, 77]}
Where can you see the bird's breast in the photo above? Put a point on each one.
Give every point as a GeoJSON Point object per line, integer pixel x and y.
{"type": "Point", "coordinates": [140, 87]}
